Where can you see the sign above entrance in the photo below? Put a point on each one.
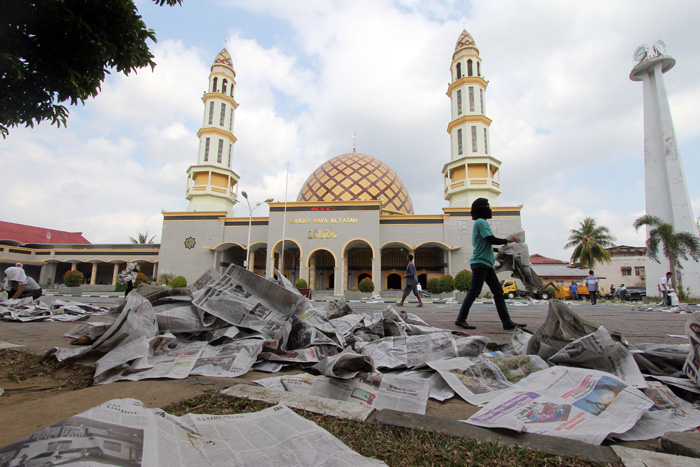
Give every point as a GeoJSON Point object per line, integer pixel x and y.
{"type": "Point", "coordinates": [323, 220]}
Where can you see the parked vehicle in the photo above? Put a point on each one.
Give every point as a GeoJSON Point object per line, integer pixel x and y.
{"type": "Point", "coordinates": [510, 290]}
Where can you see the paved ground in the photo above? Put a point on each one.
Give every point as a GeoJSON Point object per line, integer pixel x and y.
{"type": "Point", "coordinates": [635, 326]}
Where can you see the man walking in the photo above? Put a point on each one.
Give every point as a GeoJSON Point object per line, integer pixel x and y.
{"type": "Point", "coordinates": [592, 285]}
{"type": "Point", "coordinates": [411, 277]}
{"type": "Point", "coordinates": [573, 288]}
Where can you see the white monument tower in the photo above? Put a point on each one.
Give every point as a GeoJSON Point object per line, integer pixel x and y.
{"type": "Point", "coordinates": [666, 189]}
{"type": "Point", "coordinates": [472, 172]}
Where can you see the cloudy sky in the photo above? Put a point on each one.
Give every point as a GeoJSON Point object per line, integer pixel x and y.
{"type": "Point", "coordinates": [567, 121]}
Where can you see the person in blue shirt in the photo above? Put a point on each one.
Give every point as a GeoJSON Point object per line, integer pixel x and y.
{"type": "Point", "coordinates": [481, 263]}
{"type": "Point", "coordinates": [573, 288]}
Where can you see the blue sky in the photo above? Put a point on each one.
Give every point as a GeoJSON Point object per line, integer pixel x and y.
{"type": "Point", "coordinates": [567, 121]}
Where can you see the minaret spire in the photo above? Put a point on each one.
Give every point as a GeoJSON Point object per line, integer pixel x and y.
{"type": "Point", "coordinates": [212, 185]}
{"type": "Point", "coordinates": [472, 171]}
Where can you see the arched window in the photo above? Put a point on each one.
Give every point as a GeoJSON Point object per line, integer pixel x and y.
{"type": "Point", "coordinates": [478, 68]}
{"type": "Point", "coordinates": [223, 86]}
{"type": "Point", "coordinates": [470, 71]}
{"type": "Point", "coordinates": [214, 83]}
{"type": "Point", "coordinates": [459, 70]}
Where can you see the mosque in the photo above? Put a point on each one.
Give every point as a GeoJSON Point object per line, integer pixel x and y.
{"type": "Point", "coordinates": [353, 217]}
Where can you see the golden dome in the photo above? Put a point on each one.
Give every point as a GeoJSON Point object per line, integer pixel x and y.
{"type": "Point", "coordinates": [357, 177]}
{"type": "Point", "coordinates": [224, 58]}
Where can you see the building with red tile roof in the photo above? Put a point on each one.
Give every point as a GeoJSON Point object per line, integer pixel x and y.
{"type": "Point", "coordinates": [23, 234]}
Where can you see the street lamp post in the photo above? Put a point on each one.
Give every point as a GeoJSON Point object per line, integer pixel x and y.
{"type": "Point", "coordinates": [250, 223]}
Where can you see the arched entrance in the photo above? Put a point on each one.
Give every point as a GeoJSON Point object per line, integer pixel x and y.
{"type": "Point", "coordinates": [322, 266]}
{"type": "Point", "coordinates": [394, 261]}
{"type": "Point", "coordinates": [292, 259]}
{"type": "Point", "coordinates": [358, 263]}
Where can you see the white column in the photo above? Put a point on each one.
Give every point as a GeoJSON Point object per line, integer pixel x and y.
{"type": "Point", "coordinates": [93, 274]}
{"type": "Point", "coordinates": [115, 274]}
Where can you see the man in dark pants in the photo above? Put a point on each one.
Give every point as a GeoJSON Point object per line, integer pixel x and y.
{"type": "Point", "coordinates": [21, 285]}
{"type": "Point", "coordinates": [592, 285]}
{"type": "Point", "coordinates": [411, 277]}
{"type": "Point", "coordinates": [482, 261]}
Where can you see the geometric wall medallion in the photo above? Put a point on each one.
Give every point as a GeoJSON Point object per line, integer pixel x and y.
{"type": "Point", "coordinates": [190, 242]}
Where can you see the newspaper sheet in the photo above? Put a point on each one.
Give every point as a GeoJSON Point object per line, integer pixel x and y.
{"type": "Point", "coordinates": [683, 383]}
{"type": "Point", "coordinates": [308, 355]}
{"type": "Point", "coordinates": [244, 299]}
{"type": "Point", "coordinates": [560, 327]}
{"type": "Point", "coordinates": [167, 357]}
{"type": "Point", "coordinates": [599, 351]}
{"type": "Point", "coordinates": [228, 360]}
{"type": "Point", "coordinates": [377, 390]}
{"type": "Point", "coordinates": [661, 359]}
{"type": "Point", "coordinates": [125, 432]}
{"type": "Point", "coordinates": [180, 315]}
{"type": "Point", "coordinates": [478, 380]}
{"type": "Point", "coordinates": [210, 276]}
{"type": "Point", "coordinates": [669, 413]}
{"type": "Point", "coordinates": [471, 346]}
{"type": "Point", "coordinates": [345, 365]}
{"type": "Point", "coordinates": [692, 362]}
{"type": "Point", "coordinates": [135, 320]}
{"type": "Point", "coordinates": [572, 403]}
{"type": "Point", "coordinates": [409, 351]}
{"type": "Point", "coordinates": [93, 330]}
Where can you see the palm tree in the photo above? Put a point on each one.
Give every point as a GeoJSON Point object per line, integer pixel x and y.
{"type": "Point", "coordinates": [676, 245]}
{"type": "Point", "coordinates": [142, 238]}
{"type": "Point", "coordinates": [589, 243]}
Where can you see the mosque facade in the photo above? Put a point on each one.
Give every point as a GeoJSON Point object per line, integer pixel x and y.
{"type": "Point", "coordinates": [353, 218]}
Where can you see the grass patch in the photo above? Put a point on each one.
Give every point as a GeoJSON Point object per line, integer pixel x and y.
{"type": "Point", "coordinates": [394, 445]}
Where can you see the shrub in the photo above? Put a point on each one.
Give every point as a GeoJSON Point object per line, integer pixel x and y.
{"type": "Point", "coordinates": [119, 287]}
{"type": "Point", "coordinates": [141, 278]}
{"type": "Point", "coordinates": [447, 284]}
{"type": "Point", "coordinates": [166, 278]}
{"type": "Point", "coordinates": [366, 285]}
{"type": "Point", "coordinates": [179, 282]}
{"type": "Point", "coordinates": [434, 286]}
{"type": "Point", "coordinates": [463, 280]}
{"type": "Point", "coordinates": [301, 284]}
{"type": "Point", "coordinates": [73, 278]}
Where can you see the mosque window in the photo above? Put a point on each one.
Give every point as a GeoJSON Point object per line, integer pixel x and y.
{"type": "Point", "coordinates": [473, 139]}
{"type": "Point", "coordinates": [230, 122]}
{"type": "Point", "coordinates": [481, 99]}
{"type": "Point", "coordinates": [230, 148]}
{"type": "Point", "coordinates": [471, 98]}
{"type": "Point", "coordinates": [211, 112]}
{"type": "Point", "coordinates": [222, 117]}
{"type": "Point", "coordinates": [206, 150]}
{"type": "Point", "coordinates": [459, 70]}
{"type": "Point", "coordinates": [459, 141]}
{"type": "Point", "coordinates": [459, 102]}
{"type": "Point", "coordinates": [223, 86]}
{"type": "Point", "coordinates": [486, 141]}
{"type": "Point", "coordinates": [470, 69]}
{"type": "Point", "coordinates": [221, 150]}
{"type": "Point", "coordinates": [214, 83]}
{"type": "Point", "coordinates": [478, 68]}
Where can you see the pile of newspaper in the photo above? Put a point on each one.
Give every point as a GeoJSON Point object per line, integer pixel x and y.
{"type": "Point", "coordinates": [26, 309]}
{"type": "Point", "coordinates": [570, 379]}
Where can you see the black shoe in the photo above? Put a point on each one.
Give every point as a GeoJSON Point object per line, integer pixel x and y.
{"type": "Point", "coordinates": [463, 324]}
{"type": "Point", "coordinates": [512, 326]}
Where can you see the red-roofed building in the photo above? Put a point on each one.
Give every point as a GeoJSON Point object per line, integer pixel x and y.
{"type": "Point", "coordinates": [539, 259]}
{"type": "Point", "coordinates": [554, 270]}
{"type": "Point", "coordinates": [23, 234]}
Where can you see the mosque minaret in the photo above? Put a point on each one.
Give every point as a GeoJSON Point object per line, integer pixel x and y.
{"type": "Point", "coordinates": [211, 184]}
{"type": "Point", "coordinates": [472, 171]}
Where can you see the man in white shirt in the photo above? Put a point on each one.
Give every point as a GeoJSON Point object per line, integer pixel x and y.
{"type": "Point", "coordinates": [19, 285]}
{"type": "Point", "coordinates": [592, 285]}
{"type": "Point", "coordinates": [666, 286]}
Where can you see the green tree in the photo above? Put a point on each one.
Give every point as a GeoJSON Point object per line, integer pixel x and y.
{"type": "Point", "coordinates": [53, 51]}
{"type": "Point", "coordinates": [590, 243]}
{"type": "Point", "coordinates": [447, 284]}
{"type": "Point", "coordinates": [675, 245]}
{"type": "Point", "coordinates": [434, 286]}
{"type": "Point", "coordinates": [366, 285]}
{"type": "Point", "coordinates": [179, 282]}
{"type": "Point", "coordinates": [142, 238]}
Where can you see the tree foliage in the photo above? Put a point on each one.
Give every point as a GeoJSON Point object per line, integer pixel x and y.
{"type": "Point", "coordinates": [675, 245]}
{"type": "Point", "coordinates": [54, 51]}
{"type": "Point", "coordinates": [434, 286]}
{"type": "Point", "coordinates": [179, 282]}
{"type": "Point", "coordinates": [590, 243]}
{"type": "Point", "coordinates": [447, 284]}
{"type": "Point", "coordinates": [142, 238]}
{"type": "Point", "coordinates": [301, 284]}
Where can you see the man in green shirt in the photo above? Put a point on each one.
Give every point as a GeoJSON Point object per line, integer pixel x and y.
{"type": "Point", "coordinates": [482, 267]}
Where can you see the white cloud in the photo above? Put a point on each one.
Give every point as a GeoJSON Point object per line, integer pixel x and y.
{"type": "Point", "coordinates": [567, 121]}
